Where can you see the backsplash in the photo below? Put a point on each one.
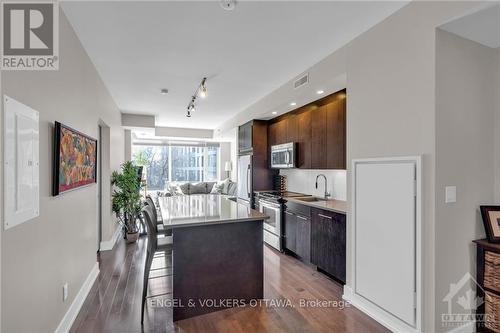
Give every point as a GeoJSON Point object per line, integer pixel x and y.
{"type": "Point", "coordinates": [303, 181]}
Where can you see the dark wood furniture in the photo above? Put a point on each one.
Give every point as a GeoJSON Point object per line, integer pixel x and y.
{"type": "Point", "coordinates": [319, 128]}
{"type": "Point", "coordinates": [317, 236]}
{"type": "Point", "coordinates": [298, 230]}
{"type": "Point", "coordinates": [488, 279]}
{"type": "Point", "coordinates": [217, 252]}
{"type": "Point", "coordinates": [216, 263]}
{"type": "Point", "coordinates": [328, 242]}
{"type": "Point", "coordinates": [245, 138]}
{"type": "Point", "coordinates": [253, 140]}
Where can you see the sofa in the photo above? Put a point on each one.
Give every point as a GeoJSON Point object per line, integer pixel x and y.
{"type": "Point", "coordinates": [225, 187]}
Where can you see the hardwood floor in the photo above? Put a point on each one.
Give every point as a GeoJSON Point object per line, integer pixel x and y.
{"type": "Point", "coordinates": [114, 303]}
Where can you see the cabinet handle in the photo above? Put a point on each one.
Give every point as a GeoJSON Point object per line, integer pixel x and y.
{"type": "Point", "coordinates": [302, 218]}
{"type": "Point", "coordinates": [288, 213]}
{"type": "Point", "coordinates": [324, 216]}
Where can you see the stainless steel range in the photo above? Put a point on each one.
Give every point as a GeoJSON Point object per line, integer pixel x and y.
{"type": "Point", "coordinates": [272, 203]}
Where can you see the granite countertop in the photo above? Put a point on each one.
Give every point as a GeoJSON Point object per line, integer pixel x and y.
{"type": "Point", "coordinates": [206, 209]}
{"type": "Point", "coordinates": [336, 206]}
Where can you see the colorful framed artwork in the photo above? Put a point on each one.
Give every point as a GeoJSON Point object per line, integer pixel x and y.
{"type": "Point", "coordinates": [491, 220]}
{"type": "Point", "coordinates": [75, 159]}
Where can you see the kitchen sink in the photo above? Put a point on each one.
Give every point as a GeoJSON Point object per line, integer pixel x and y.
{"type": "Point", "coordinates": [310, 199]}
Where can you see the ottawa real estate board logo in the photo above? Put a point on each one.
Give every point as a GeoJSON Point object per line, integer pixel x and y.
{"type": "Point", "coordinates": [30, 35]}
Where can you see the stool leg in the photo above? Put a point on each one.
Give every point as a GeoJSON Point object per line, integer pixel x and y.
{"type": "Point", "coordinates": [147, 267]}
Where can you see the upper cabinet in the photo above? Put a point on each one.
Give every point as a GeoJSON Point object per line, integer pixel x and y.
{"type": "Point", "coordinates": [245, 137]}
{"type": "Point", "coordinates": [304, 142]}
{"type": "Point", "coordinates": [319, 129]}
{"type": "Point", "coordinates": [336, 134]}
{"type": "Point", "coordinates": [319, 138]}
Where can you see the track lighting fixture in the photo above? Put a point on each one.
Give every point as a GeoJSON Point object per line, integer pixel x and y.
{"type": "Point", "coordinates": [203, 88]}
{"type": "Point", "coordinates": [201, 91]}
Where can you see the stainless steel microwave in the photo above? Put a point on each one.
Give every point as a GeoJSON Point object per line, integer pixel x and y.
{"type": "Point", "coordinates": [283, 156]}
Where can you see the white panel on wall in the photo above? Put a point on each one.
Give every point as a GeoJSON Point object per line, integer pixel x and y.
{"type": "Point", "coordinates": [386, 241]}
{"type": "Point", "coordinates": [21, 163]}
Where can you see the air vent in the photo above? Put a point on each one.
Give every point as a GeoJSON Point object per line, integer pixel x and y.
{"type": "Point", "coordinates": [304, 79]}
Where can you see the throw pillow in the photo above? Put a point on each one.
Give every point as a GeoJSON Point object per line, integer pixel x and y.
{"type": "Point", "coordinates": [185, 188]}
{"type": "Point", "coordinates": [217, 188]}
{"type": "Point", "coordinates": [175, 190]}
{"type": "Point", "coordinates": [198, 188]}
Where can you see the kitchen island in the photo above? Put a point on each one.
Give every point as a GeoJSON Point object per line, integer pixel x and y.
{"type": "Point", "coordinates": [217, 253]}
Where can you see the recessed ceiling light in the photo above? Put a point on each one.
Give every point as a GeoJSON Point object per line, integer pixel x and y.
{"type": "Point", "coordinates": [164, 91]}
{"type": "Point", "coordinates": [319, 92]}
{"type": "Point", "coordinates": [293, 104]}
{"type": "Point", "coordinates": [274, 112]}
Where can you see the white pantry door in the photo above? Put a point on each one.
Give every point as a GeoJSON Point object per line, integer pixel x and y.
{"type": "Point", "coordinates": [385, 234]}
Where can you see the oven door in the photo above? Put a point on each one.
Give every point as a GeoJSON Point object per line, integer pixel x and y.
{"type": "Point", "coordinates": [273, 210]}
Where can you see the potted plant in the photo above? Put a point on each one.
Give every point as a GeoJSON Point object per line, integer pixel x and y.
{"type": "Point", "coordinates": [126, 199]}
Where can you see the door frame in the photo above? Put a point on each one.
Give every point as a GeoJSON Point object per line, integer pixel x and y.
{"type": "Point", "coordinates": [99, 186]}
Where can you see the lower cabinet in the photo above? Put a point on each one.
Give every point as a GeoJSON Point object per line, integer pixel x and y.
{"type": "Point", "coordinates": [298, 235]}
{"type": "Point", "coordinates": [317, 236]}
{"type": "Point", "coordinates": [328, 242]}
{"type": "Point", "coordinates": [290, 231]}
{"type": "Point", "coordinates": [304, 238]}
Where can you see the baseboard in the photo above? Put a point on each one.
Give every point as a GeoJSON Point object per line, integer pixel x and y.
{"type": "Point", "coordinates": [74, 308]}
{"type": "Point", "coordinates": [109, 244]}
{"type": "Point", "coordinates": [379, 315]}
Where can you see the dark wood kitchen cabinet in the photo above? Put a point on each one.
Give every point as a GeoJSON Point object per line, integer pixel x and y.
{"type": "Point", "coordinates": [303, 239]}
{"type": "Point", "coordinates": [336, 134]}
{"type": "Point", "coordinates": [298, 235]}
{"type": "Point", "coordinates": [283, 130]}
{"type": "Point", "coordinates": [290, 231]}
{"type": "Point", "coordinates": [328, 242]}
{"type": "Point", "coordinates": [291, 127]}
{"type": "Point", "coordinates": [253, 140]}
{"type": "Point", "coordinates": [304, 147]}
{"type": "Point", "coordinates": [318, 128]}
{"type": "Point", "coordinates": [298, 230]}
{"type": "Point", "coordinates": [245, 137]}
{"type": "Point", "coordinates": [319, 138]}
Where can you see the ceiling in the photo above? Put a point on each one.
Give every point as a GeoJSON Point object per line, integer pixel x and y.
{"type": "Point", "coordinates": [141, 47]}
{"type": "Point", "coordinates": [482, 27]}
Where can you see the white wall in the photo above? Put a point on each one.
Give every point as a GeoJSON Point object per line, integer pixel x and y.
{"type": "Point", "coordinates": [59, 246]}
{"type": "Point", "coordinates": [391, 106]}
{"type": "Point", "coordinates": [229, 136]}
{"type": "Point", "coordinates": [303, 181]}
{"type": "Point", "coordinates": [465, 156]}
{"type": "Point", "coordinates": [225, 155]}
{"type": "Point", "coordinates": [497, 129]}
{"type": "Point", "coordinates": [128, 144]}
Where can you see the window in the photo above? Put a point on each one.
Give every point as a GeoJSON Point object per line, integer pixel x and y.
{"type": "Point", "coordinates": [177, 163]}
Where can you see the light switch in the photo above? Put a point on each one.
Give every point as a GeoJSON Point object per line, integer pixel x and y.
{"type": "Point", "coordinates": [450, 194]}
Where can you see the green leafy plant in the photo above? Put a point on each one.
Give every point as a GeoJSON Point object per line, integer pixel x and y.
{"type": "Point", "coordinates": [126, 197]}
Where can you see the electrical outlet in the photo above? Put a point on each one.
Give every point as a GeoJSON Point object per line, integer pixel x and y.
{"type": "Point", "coordinates": [65, 292]}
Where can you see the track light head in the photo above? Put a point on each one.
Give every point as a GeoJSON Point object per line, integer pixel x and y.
{"type": "Point", "coordinates": [203, 88]}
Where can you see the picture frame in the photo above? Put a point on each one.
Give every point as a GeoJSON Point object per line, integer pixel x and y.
{"type": "Point", "coordinates": [491, 220]}
{"type": "Point", "coordinates": [75, 159]}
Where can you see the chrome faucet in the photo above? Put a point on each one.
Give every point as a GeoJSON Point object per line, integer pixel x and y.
{"type": "Point", "coordinates": [326, 185]}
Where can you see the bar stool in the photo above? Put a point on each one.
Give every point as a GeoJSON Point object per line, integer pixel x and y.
{"type": "Point", "coordinates": [159, 222]}
{"type": "Point", "coordinates": [155, 245]}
